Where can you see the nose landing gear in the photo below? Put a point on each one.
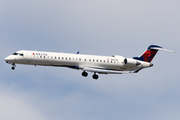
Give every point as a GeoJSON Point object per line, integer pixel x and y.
{"type": "Point", "coordinates": [13, 66]}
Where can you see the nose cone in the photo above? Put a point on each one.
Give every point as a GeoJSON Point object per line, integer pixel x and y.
{"type": "Point", "coordinates": [6, 59]}
{"type": "Point", "coordinates": [9, 59]}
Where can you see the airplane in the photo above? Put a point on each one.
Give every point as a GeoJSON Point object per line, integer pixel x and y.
{"type": "Point", "coordinates": [87, 63]}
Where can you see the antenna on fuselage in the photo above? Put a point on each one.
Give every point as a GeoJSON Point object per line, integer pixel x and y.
{"type": "Point", "coordinates": [78, 52]}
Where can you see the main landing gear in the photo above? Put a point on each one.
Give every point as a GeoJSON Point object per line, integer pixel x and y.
{"type": "Point", "coordinates": [13, 66]}
{"type": "Point", "coordinates": [95, 76]}
{"type": "Point", "coordinates": [85, 74]}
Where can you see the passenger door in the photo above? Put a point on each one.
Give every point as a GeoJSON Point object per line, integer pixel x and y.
{"type": "Point", "coordinates": [28, 56]}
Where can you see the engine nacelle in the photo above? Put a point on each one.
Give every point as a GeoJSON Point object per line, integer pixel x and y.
{"type": "Point", "coordinates": [131, 62]}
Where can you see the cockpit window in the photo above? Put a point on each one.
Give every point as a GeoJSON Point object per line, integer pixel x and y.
{"type": "Point", "coordinates": [15, 53]}
{"type": "Point", "coordinates": [21, 54]}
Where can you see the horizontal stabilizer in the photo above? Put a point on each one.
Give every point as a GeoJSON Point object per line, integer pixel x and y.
{"type": "Point", "coordinates": [138, 70]}
{"type": "Point", "coordinates": [157, 48]}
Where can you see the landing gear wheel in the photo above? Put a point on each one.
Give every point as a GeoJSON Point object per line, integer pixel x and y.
{"type": "Point", "coordinates": [85, 74]}
{"type": "Point", "coordinates": [13, 68]}
{"type": "Point", "coordinates": [95, 76]}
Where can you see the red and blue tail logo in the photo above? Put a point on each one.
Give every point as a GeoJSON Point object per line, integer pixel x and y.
{"type": "Point", "coordinates": [149, 54]}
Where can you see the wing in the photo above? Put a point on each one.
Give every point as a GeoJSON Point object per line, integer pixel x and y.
{"type": "Point", "coordinates": [104, 70]}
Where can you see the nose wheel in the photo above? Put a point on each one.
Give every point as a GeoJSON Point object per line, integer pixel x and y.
{"type": "Point", "coordinates": [13, 66]}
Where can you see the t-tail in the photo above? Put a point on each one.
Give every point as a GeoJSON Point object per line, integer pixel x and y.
{"type": "Point", "coordinates": [149, 54]}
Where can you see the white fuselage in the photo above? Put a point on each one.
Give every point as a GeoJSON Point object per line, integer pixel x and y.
{"type": "Point", "coordinates": [77, 61]}
{"type": "Point", "coordinates": [88, 63]}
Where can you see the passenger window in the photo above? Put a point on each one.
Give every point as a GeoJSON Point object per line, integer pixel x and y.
{"type": "Point", "coordinates": [44, 56]}
{"type": "Point", "coordinates": [58, 57]}
{"type": "Point", "coordinates": [40, 56]}
{"type": "Point", "coordinates": [69, 58]}
{"type": "Point", "coordinates": [84, 59]}
{"type": "Point", "coordinates": [79, 59]}
{"type": "Point", "coordinates": [104, 61]}
{"type": "Point", "coordinates": [62, 58]}
{"type": "Point", "coordinates": [97, 60]}
{"type": "Point", "coordinates": [89, 59]}
{"type": "Point", "coordinates": [93, 60]}
{"type": "Point", "coordinates": [100, 60]}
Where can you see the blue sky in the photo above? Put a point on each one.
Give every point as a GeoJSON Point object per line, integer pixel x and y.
{"type": "Point", "coordinates": [97, 27]}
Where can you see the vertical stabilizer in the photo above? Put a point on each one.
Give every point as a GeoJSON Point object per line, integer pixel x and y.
{"type": "Point", "coordinates": [149, 54]}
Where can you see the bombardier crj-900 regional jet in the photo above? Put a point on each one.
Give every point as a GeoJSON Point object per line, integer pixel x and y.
{"type": "Point", "coordinates": [87, 63]}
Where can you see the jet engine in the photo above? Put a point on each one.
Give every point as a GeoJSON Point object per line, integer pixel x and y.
{"type": "Point", "coordinates": [131, 62]}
